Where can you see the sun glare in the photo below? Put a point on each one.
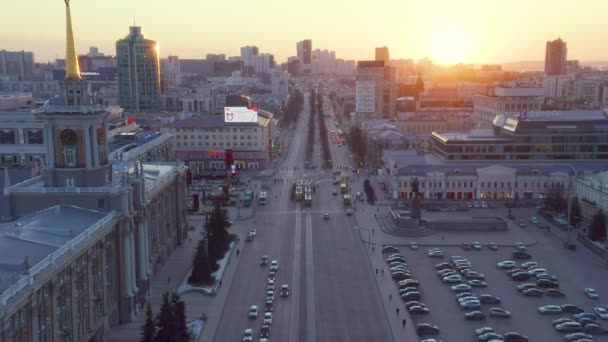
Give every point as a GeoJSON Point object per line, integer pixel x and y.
{"type": "Point", "coordinates": [450, 45]}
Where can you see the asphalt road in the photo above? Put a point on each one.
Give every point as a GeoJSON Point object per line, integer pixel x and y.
{"type": "Point", "coordinates": [333, 297]}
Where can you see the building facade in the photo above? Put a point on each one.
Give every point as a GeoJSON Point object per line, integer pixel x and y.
{"type": "Point", "coordinates": [376, 89]}
{"type": "Point", "coordinates": [592, 192]}
{"type": "Point", "coordinates": [304, 50]}
{"type": "Point", "coordinates": [18, 65]}
{"type": "Point", "coordinates": [574, 135]}
{"type": "Point", "coordinates": [382, 55]}
{"type": "Point", "coordinates": [138, 72]}
{"type": "Point", "coordinates": [556, 55]}
{"type": "Point", "coordinates": [507, 101]}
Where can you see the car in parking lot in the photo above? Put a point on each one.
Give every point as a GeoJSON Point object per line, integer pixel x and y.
{"type": "Point", "coordinates": [470, 305]}
{"type": "Point", "coordinates": [412, 295]}
{"type": "Point", "coordinates": [435, 254]}
{"type": "Point", "coordinates": [418, 310]}
{"type": "Point", "coordinates": [461, 288]}
{"type": "Point", "coordinates": [390, 249]}
{"type": "Point", "coordinates": [569, 327]}
{"type": "Point", "coordinates": [507, 264]}
{"type": "Point", "coordinates": [550, 310]}
{"type": "Point", "coordinates": [464, 294]}
{"type": "Point", "coordinates": [533, 292]}
{"type": "Point", "coordinates": [414, 245]}
{"type": "Point", "coordinates": [443, 266]}
{"type": "Point", "coordinates": [474, 275]}
{"type": "Point", "coordinates": [529, 265]}
{"type": "Point", "coordinates": [514, 337]}
{"type": "Point", "coordinates": [409, 282]}
{"type": "Point", "coordinates": [601, 312]}
{"type": "Point", "coordinates": [562, 320]}
{"type": "Point", "coordinates": [577, 336]}
{"type": "Point", "coordinates": [523, 287]}
{"type": "Point", "coordinates": [476, 245]}
{"type": "Point", "coordinates": [408, 289]}
{"type": "Point", "coordinates": [452, 279]}
{"type": "Point", "coordinates": [484, 330]}
{"type": "Point", "coordinates": [521, 255]}
{"type": "Point", "coordinates": [546, 283]}
{"type": "Point", "coordinates": [520, 276]}
{"type": "Point", "coordinates": [477, 283]}
{"type": "Point", "coordinates": [499, 312]}
{"type": "Point", "coordinates": [571, 308]}
{"type": "Point", "coordinates": [395, 257]}
{"type": "Point", "coordinates": [595, 329]}
{"type": "Point", "coordinates": [520, 246]}
{"type": "Point", "coordinates": [536, 271]}
{"type": "Point", "coordinates": [488, 299]}
{"type": "Point", "coordinates": [475, 315]}
{"type": "Point", "coordinates": [546, 276]}
{"type": "Point", "coordinates": [586, 321]}
{"type": "Point", "coordinates": [591, 293]}
{"type": "Point", "coordinates": [426, 329]}
{"type": "Point", "coordinates": [554, 293]}
{"type": "Point", "coordinates": [491, 336]}
{"type": "Point", "coordinates": [400, 275]}
{"type": "Point", "coordinates": [492, 246]}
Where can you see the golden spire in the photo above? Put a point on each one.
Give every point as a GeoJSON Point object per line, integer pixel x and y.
{"type": "Point", "coordinates": [72, 70]}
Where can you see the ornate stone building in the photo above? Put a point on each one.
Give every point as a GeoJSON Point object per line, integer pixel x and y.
{"type": "Point", "coordinates": [81, 241]}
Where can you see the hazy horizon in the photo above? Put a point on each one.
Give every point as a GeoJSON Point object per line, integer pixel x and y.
{"type": "Point", "coordinates": [474, 32]}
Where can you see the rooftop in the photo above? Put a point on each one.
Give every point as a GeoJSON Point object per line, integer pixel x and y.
{"type": "Point", "coordinates": [38, 235]}
{"type": "Point", "coordinates": [597, 181]}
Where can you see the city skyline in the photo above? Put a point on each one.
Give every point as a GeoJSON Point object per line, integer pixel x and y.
{"type": "Point", "coordinates": [473, 32]}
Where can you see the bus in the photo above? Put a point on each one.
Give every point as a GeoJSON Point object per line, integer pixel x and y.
{"type": "Point", "coordinates": [247, 198]}
{"type": "Point", "coordinates": [346, 200]}
{"type": "Point", "coordinates": [308, 199]}
{"type": "Point", "coordinates": [262, 198]}
{"type": "Point", "coordinates": [343, 188]}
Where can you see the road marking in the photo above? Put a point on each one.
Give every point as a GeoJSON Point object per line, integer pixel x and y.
{"type": "Point", "coordinates": [287, 212]}
{"type": "Point", "coordinates": [311, 330]}
{"type": "Point", "coordinates": [294, 316]}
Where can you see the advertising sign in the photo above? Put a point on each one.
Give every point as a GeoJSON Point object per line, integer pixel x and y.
{"type": "Point", "coordinates": [240, 114]}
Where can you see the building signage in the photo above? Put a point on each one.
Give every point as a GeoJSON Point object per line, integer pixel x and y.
{"type": "Point", "coordinates": [240, 114]}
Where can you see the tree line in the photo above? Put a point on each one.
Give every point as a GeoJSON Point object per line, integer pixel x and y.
{"type": "Point", "coordinates": [358, 144]}
{"type": "Point", "coordinates": [327, 164]}
{"type": "Point", "coordinates": [556, 202]}
{"type": "Point", "coordinates": [295, 104]}
{"type": "Point", "coordinates": [169, 325]}
{"type": "Point", "coordinates": [311, 127]}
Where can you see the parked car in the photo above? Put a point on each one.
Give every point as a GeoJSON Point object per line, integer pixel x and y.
{"type": "Point", "coordinates": [492, 246]}
{"type": "Point", "coordinates": [426, 329]}
{"type": "Point", "coordinates": [595, 329]}
{"type": "Point", "coordinates": [570, 246]}
{"type": "Point", "coordinates": [491, 336]}
{"type": "Point", "coordinates": [435, 254]}
{"type": "Point", "coordinates": [390, 249]}
{"type": "Point", "coordinates": [520, 276]}
{"type": "Point", "coordinates": [529, 265]}
{"type": "Point", "coordinates": [562, 320]}
{"type": "Point", "coordinates": [470, 305]}
{"type": "Point", "coordinates": [475, 315]}
{"type": "Point", "coordinates": [461, 288]}
{"type": "Point", "coordinates": [591, 293]}
{"type": "Point", "coordinates": [521, 255]}
{"type": "Point", "coordinates": [489, 299]}
{"type": "Point", "coordinates": [411, 296]}
{"type": "Point", "coordinates": [443, 266]}
{"type": "Point", "coordinates": [484, 330]}
{"type": "Point", "coordinates": [601, 312]}
{"type": "Point", "coordinates": [523, 287]}
{"type": "Point", "coordinates": [499, 312]}
{"type": "Point", "coordinates": [578, 336]}
{"type": "Point", "coordinates": [507, 264]}
{"type": "Point", "coordinates": [569, 327]}
{"type": "Point", "coordinates": [418, 310]}
{"type": "Point", "coordinates": [514, 337]}
{"type": "Point", "coordinates": [550, 310]}
{"type": "Point", "coordinates": [554, 293]}
{"type": "Point", "coordinates": [546, 283]}
{"type": "Point", "coordinates": [453, 279]}
{"type": "Point", "coordinates": [477, 283]}
{"type": "Point", "coordinates": [533, 292]}
{"type": "Point", "coordinates": [571, 308]}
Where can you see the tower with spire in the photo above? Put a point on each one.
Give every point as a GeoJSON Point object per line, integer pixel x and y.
{"type": "Point", "coordinates": [77, 153]}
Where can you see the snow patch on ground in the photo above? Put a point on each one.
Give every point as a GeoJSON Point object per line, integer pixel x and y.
{"type": "Point", "coordinates": [217, 276]}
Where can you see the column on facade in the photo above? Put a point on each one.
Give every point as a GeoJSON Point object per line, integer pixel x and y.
{"type": "Point", "coordinates": [48, 140]}
{"type": "Point", "coordinates": [87, 146]}
{"type": "Point", "coordinates": [96, 161]}
{"type": "Point", "coordinates": [147, 247]}
{"type": "Point", "coordinates": [133, 261]}
{"type": "Point", "coordinates": [477, 186]}
{"type": "Point", "coordinates": [126, 253]}
{"type": "Point", "coordinates": [427, 186]}
{"type": "Point", "coordinates": [142, 252]}
{"type": "Point", "coordinates": [513, 180]}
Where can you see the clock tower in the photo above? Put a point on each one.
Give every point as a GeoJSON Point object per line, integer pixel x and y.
{"type": "Point", "coordinates": [77, 150]}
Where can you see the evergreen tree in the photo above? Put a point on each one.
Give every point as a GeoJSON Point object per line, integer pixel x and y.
{"type": "Point", "coordinates": [576, 213]}
{"type": "Point", "coordinates": [201, 270]}
{"type": "Point", "coordinates": [180, 329]}
{"type": "Point", "coordinates": [148, 330]}
{"type": "Point", "coordinates": [164, 321]}
{"type": "Point", "coordinates": [597, 227]}
{"type": "Point", "coordinates": [217, 234]}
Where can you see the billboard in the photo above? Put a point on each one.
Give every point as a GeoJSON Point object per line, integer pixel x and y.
{"type": "Point", "coordinates": [240, 114]}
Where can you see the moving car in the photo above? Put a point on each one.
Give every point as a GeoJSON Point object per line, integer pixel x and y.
{"type": "Point", "coordinates": [499, 312]}
{"type": "Point", "coordinates": [268, 307]}
{"type": "Point", "coordinates": [326, 216]}
{"type": "Point", "coordinates": [268, 318]}
{"type": "Point", "coordinates": [272, 275]}
{"type": "Point", "coordinates": [414, 245]}
{"type": "Point", "coordinates": [591, 293]}
{"type": "Point", "coordinates": [253, 311]}
{"type": "Point", "coordinates": [520, 246]}
{"type": "Point", "coordinates": [265, 331]}
{"type": "Point", "coordinates": [435, 254]}
{"type": "Point", "coordinates": [570, 246]}
{"type": "Point", "coordinates": [247, 335]}
{"type": "Point", "coordinates": [264, 260]}
{"type": "Point", "coordinates": [492, 246]}
{"type": "Point", "coordinates": [476, 245]}
{"type": "Point", "coordinates": [284, 290]}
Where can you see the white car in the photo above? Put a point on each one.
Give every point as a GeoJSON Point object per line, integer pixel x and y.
{"type": "Point", "coordinates": [268, 318]}
{"type": "Point", "coordinates": [507, 264]}
{"type": "Point", "coordinates": [414, 245]}
{"type": "Point", "coordinates": [253, 232]}
{"type": "Point", "coordinates": [253, 311]}
{"type": "Point", "coordinates": [274, 265]}
{"type": "Point", "coordinates": [247, 335]}
{"type": "Point", "coordinates": [592, 293]}
{"type": "Point", "coordinates": [601, 312]}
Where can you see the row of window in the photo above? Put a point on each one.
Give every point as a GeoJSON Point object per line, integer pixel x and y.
{"type": "Point", "coordinates": [31, 136]}
{"type": "Point", "coordinates": [228, 144]}
{"type": "Point", "coordinates": [212, 137]}
{"type": "Point", "coordinates": [226, 130]}
{"type": "Point", "coordinates": [465, 184]}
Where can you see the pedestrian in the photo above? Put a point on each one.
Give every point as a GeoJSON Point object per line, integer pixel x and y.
{"type": "Point", "coordinates": [220, 283]}
{"type": "Point", "coordinates": [390, 296]}
{"type": "Point", "coordinates": [373, 231]}
{"type": "Point", "coordinates": [403, 322]}
{"type": "Point", "coordinates": [397, 311]}
{"type": "Point", "coordinates": [383, 271]}
{"type": "Point", "coordinates": [372, 248]}
{"type": "Point", "coordinates": [190, 239]}
{"type": "Point", "coordinates": [237, 252]}
{"type": "Point", "coordinates": [376, 271]}
{"type": "Point", "coordinates": [169, 279]}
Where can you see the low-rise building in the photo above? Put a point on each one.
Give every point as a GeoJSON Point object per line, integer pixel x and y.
{"type": "Point", "coordinates": [506, 101]}
{"type": "Point", "coordinates": [592, 192]}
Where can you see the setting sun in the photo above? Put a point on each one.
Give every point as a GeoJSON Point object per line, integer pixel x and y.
{"type": "Point", "coordinates": [450, 45]}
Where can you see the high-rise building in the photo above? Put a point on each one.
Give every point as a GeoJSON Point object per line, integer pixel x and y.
{"type": "Point", "coordinates": [138, 72]}
{"type": "Point", "coordinates": [323, 62]}
{"type": "Point", "coordinates": [305, 56]}
{"type": "Point", "coordinates": [248, 54]}
{"type": "Point", "coordinates": [382, 54]}
{"type": "Point", "coordinates": [170, 70]}
{"type": "Point", "coordinates": [555, 57]}
{"type": "Point", "coordinates": [263, 63]}
{"type": "Point", "coordinates": [375, 89]}
{"type": "Point", "coordinates": [18, 64]}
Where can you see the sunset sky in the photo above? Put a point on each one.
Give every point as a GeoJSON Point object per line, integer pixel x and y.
{"type": "Point", "coordinates": [447, 31]}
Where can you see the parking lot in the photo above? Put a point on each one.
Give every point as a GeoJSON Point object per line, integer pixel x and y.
{"type": "Point", "coordinates": [574, 270]}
